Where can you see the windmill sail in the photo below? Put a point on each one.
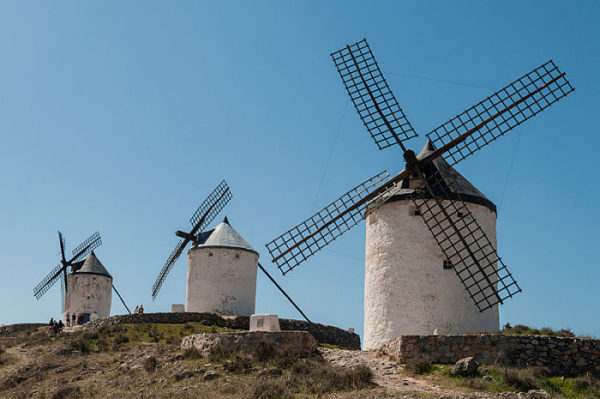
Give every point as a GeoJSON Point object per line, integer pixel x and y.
{"type": "Point", "coordinates": [463, 242]}
{"type": "Point", "coordinates": [168, 266]}
{"type": "Point", "coordinates": [301, 242]}
{"type": "Point", "coordinates": [47, 282]}
{"type": "Point", "coordinates": [501, 112]}
{"type": "Point", "coordinates": [211, 206]}
{"type": "Point", "coordinates": [371, 95]}
{"type": "Point", "coordinates": [86, 247]}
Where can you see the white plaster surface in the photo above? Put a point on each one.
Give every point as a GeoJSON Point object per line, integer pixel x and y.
{"type": "Point", "coordinates": [264, 322]}
{"type": "Point", "coordinates": [177, 308]}
{"type": "Point", "coordinates": [407, 291]}
{"type": "Point", "coordinates": [88, 293]}
{"type": "Point", "coordinates": [221, 280]}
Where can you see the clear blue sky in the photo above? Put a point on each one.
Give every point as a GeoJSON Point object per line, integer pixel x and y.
{"type": "Point", "coordinates": [122, 116]}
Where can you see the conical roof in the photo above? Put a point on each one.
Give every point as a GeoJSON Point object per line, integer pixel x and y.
{"type": "Point", "coordinates": [92, 265]}
{"type": "Point", "coordinates": [453, 182]}
{"type": "Point", "coordinates": [225, 236]}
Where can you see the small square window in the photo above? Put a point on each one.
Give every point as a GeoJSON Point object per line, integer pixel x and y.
{"type": "Point", "coordinates": [415, 211]}
{"type": "Point", "coordinates": [448, 264]}
{"type": "Point", "coordinates": [460, 214]}
{"type": "Point", "coordinates": [210, 254]}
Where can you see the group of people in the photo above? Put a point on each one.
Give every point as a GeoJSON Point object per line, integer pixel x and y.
{"type": "Point", "coordinates": [55, 327]}
{"type": "Point", "coordinates": [74, 320]}
{"type": "Point", "coordinates": [139, 309]}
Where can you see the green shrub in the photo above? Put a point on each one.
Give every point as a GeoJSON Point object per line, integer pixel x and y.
{"type": "Point", "coordinates": [121, 338]}
{"type": "Point", "coordinates": [265, 351]}
{"type": "Point", "coordinates": [67, 392]}
{"type": "Point", "coordinates": [150, 363]}
{"type": "Point", "coordinates": [265, 389]}
{"type": "Point", "coordinates": [518, 381]}
{"type": "Point", "coordinates": [418, 366]}
{"type": "Point", "coordinates": [81, 344]}
{"type": "Point", "coordinates": [192, 353]}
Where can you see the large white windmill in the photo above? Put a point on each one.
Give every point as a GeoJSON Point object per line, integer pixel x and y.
{"type": "Point", "coordinates": [408, 285]}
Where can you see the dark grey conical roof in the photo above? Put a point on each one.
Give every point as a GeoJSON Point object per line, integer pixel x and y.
{"type": "Point", "coordinates": [225, 236]}
{"type": "Point", "coordinates": [454, 182]}
{"type": "Point", "coordinates": [92, 265]}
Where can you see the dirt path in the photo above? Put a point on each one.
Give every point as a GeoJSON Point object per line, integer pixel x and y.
{"type": "Point", "coordinates": [388, 373]}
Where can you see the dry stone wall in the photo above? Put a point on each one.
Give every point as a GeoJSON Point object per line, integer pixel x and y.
{"type": "Point", "coordinates": [562, 356]}
{"type": "Point", "coordinates": [322, 333]}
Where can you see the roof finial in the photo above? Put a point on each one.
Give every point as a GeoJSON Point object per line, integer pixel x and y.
{"type": "Point", "coordinates": [225, 220]}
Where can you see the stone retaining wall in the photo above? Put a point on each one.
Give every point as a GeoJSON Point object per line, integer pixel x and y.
{"type": "Point", "coordinates": [322, 333]}
{"type": "Point", "coordinates": [562, 356]}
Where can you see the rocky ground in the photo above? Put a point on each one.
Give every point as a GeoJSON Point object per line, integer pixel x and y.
{"type": "Point", "coordinates": [145, 361]}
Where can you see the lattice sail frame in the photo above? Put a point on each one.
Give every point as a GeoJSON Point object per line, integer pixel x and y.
{"type": "Point", "coordinates": [323, 227]}
{"type": "Point", "coordinates": [372, 97]}
{"type": "Point", "coordinates": [547, 83]}
{"type": "Point", "coordinates": [214, 203]}
{"type": "Point", "coordinates": [47, 282]}
{"type": "Point", "coordinates": [93, 242]}
{"type": "Point", "coordinates": [175, 253]}
{"type": "Point", "coordinates": [477, 264]}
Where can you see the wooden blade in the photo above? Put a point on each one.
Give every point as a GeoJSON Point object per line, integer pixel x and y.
{"type": "Point", "coordinates": [48, 281]}
{"type": "Point", "coordinates": [301, 242]}
{"type": "Point", "coordinates": [168, 266]}
{"type": "Point", "coordinates": [486, 121]}
{"type": "Point", "coordinates": [463, 242]}
{"type": "Point", "coordinates": [371, 95]}
{"type": "Point", "coordinates": [86, 247]}
{"type": "Point", "coordinates": [211, 207]}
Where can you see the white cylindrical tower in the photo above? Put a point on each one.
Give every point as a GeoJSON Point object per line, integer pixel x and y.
{"type": "Point", "coordinates": [409, 288]}
{"type": "Point", "coordinates": [221, 274]}
{"type": "Point", "coordinates": [89, 291]}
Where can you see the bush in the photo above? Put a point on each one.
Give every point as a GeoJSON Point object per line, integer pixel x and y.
{"type": "Point", "coordinates": [239, 363]}
{"type": "Point", "coordinates": [81, 344]}
{"type": "Point", "coordinates": [67, 392]}
{"type": "Point", "coordinates": [102, 343]}
{"type": "Point", "coordinates": [265, 351]}
{"type": "Point", "coordinates": [515, 379]}
{"type": "Point", "coordinates": [357, 377]}
{"type": "Point", "coordinates": [192, 353]}
{"type": "Point", "coordinates": [222, 352]}
{"type": "Point", "coordinates": [418, 366]}
{"type": "Point", "coordinates": [150, 364]}
{"type": "Point", "coordinates": [121, 338]}
{"type": "Point", "coordinates": [265, 389]}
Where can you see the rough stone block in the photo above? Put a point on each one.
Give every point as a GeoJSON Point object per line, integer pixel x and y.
{"type": "Point", "coordinates": [177, 308]}
{"type": "Point", "coordinates": [264, 322]}
{"type": "Point", "coordinates": [300, 342]}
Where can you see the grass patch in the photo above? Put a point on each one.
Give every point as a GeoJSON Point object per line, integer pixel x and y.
{"type": "Point", "coordinates": [521, 329]}
{"type": "Point", "coordinates": [328, 346]}
{"type": "Point", "coordinates": [496, 379]}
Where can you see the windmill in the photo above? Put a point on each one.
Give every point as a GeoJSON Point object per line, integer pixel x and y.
{"type": "Point", "coordinates": [60, 271]}
{"type": "Point", "coordinates": [202, 218]}
{"type": "Point", "coordinates": [224, 237]}
{"type": "Point", "coordinates": [83, 261]}
{"type": "Point", "coordinates": [445, 213]}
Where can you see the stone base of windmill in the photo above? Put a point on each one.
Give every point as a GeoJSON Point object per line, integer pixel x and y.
{"type": "Point", "coordinates": [300, 342]}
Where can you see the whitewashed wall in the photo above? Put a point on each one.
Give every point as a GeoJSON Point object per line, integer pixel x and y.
{"type": "Point", "coordinates": [221, 280]}
{"type": "Point", "coordinates": [88, 293]}
{"type": "Point", "coordinates": [407, 291]}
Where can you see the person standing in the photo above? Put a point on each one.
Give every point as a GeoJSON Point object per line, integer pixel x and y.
{"type": "Point", "coordinates": [68, 319]}
{"type": "Point", "coordinates": [136, 309]}
{"type": "Point", "coordinates": [141, 310]}
{"type": "Point", "coordinates": [73, 320]}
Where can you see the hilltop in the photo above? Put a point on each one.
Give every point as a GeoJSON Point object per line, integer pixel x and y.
{"type": "Point", "coordinates": [145, 360]}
